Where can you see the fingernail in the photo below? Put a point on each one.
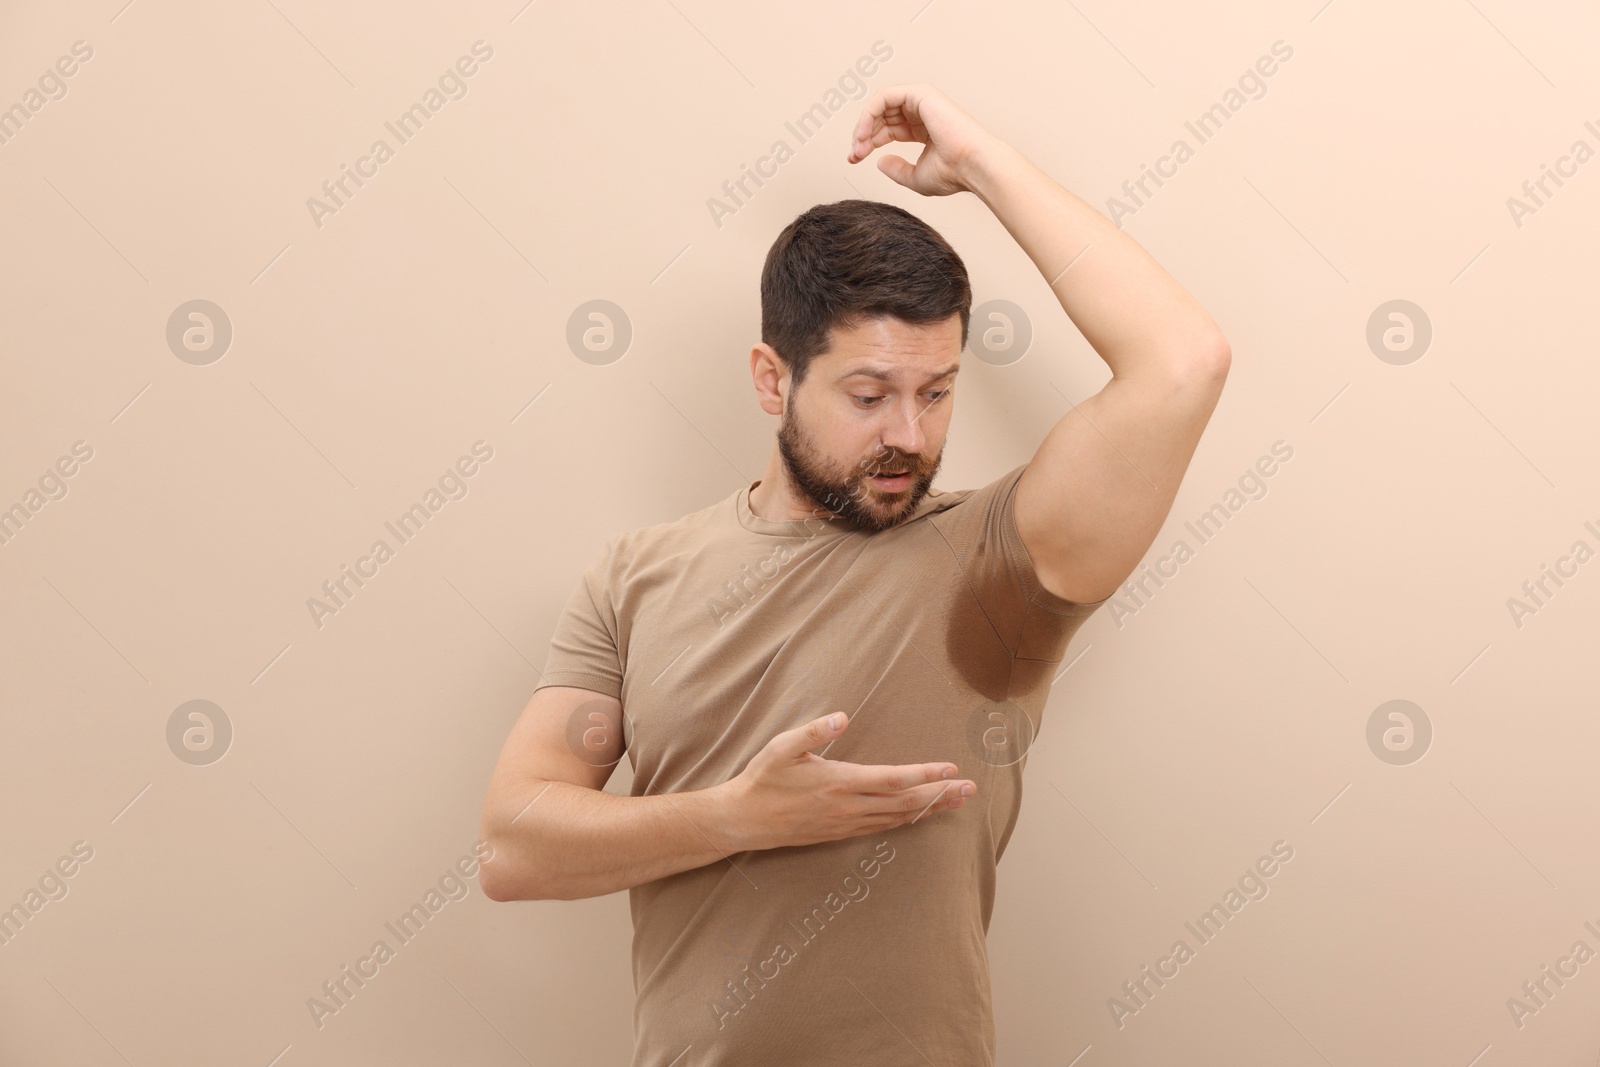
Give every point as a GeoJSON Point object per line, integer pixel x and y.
{"type": "Point", "coordinates": [949, 772]}
{"type": "Point", "coordinates": [967, 790]}
{"type": "Point", "coordinates": [835, 720]}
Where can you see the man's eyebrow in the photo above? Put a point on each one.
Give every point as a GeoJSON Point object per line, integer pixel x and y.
{"type": "Point", "coordinates": [868, 371]}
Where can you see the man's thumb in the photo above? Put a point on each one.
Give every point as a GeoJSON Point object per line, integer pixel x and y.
{"type": "Point", "coordinates": [896, 168]}
{"type": "Point", "coordinates": [818, 732]}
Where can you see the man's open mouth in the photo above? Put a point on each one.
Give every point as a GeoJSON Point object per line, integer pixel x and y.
{"type": "Point", "coordinates": [892, 481]}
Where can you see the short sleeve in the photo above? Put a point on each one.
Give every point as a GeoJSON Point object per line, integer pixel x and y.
{"type": "Point", "coordinates": [982, 530]}
{"type": "Point", "coordinates": [584, 649]}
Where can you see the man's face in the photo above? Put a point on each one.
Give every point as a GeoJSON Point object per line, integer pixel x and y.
{"type": "Point", "coordinates": [876, 403]}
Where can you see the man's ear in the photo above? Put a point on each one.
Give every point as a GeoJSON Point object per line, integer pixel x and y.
{"type": "Point", "coordinates": [770, 375]}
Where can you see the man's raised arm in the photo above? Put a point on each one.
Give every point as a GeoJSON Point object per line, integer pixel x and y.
{"type": "Point", "coordinates": [1096, 492]}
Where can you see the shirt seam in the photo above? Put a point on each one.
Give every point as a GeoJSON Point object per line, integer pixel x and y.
{"type": "Point", "coordinates": [565, 672]}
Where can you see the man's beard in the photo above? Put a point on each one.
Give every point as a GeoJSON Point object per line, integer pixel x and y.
{"type": "Point", "coordinates": [848, 492]}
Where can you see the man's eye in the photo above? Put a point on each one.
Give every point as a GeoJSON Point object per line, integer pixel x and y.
{"type": "Point", "coordinates": [933, 398]}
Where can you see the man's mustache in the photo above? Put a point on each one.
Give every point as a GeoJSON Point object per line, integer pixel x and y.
{"type": "Point", "coordinates": [897, 462]}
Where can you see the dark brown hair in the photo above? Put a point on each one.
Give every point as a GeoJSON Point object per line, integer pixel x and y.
{"type": "Point", "coordinates": [853, 260]}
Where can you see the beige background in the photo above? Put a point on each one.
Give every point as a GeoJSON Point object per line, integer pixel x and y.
{"type": "Point", "coordinates": [1228, 712]}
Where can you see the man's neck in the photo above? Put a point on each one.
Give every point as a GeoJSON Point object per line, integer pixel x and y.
{"type": "Point", "coordinates": [776, 499]}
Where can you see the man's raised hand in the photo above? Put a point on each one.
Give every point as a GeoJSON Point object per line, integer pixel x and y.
{"type": "Point", "coordinates": [924, 114]}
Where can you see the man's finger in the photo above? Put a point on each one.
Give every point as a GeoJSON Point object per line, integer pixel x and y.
{"type": "Point", "coordinates": [807, 736]}
{"type": "Point", "coordinates": [893, 778]}
{"type": "Point", "coordinates": [889, 115]}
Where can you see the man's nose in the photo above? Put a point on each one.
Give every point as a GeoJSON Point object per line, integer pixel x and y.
{"type": "Point", "coordinates": [904, 431]}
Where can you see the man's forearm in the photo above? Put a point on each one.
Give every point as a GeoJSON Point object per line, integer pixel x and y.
{"type": "Point", "coordinates": [1134, 314]}
{"type": "Point", "coordinates": [560, 841]}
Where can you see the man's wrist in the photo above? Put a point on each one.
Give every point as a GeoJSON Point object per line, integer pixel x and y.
{"type": "Point", "coordinates": [720, 815]}
{"type": "Point", "coordinates": [990, 165]}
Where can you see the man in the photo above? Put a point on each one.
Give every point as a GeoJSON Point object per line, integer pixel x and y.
{"type": "Point", "coordinates": [799, 672]}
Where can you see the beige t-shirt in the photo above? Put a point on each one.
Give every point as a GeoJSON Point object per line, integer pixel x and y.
{"type": "Point", "coordinates": [722, 629]}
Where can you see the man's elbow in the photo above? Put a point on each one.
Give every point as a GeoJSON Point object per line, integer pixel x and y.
{"type": "Point", "coordinates": [1223, 359]}
{"type": "Point", "coordinates": [497, 887]}
{"type": "Point", "coordinates": [1203, 369]}
{"type": "Point", "coordinates": [504, 887]}
{"type": "Point", "coordinates": [1205, 355]}
{"type": "Point", "coordinates": [1198, 362]}
{"type": "Point", "coordinates": [1216, 356]}
{"type": "Point", "coordinates": [505, 876]}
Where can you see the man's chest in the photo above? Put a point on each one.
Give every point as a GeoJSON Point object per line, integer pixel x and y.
{"type": "Point", "coordinates": [728, 650]}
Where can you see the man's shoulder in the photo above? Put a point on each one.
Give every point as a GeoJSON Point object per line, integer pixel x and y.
{"type": "Point", "coordinates": [674, 536]}
{"type": "Point", "coordinates": [960, 501]}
